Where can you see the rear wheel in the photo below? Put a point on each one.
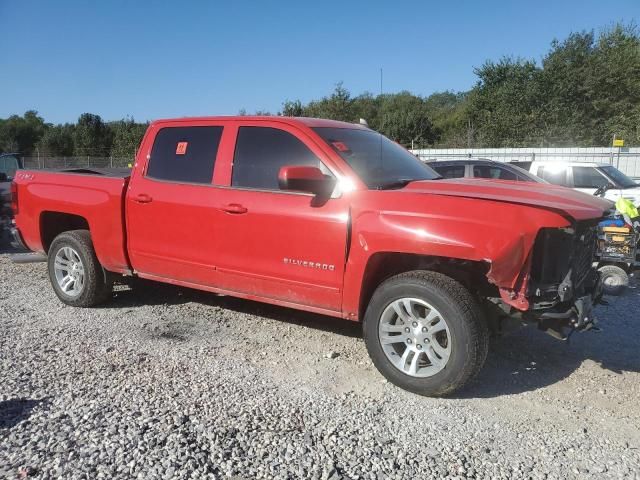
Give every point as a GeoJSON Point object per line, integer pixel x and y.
{"type": "Point", "coordinates": [615, 279]}
{"type": "Point", "coordinates": [425, 333]}
{"type": "Point", "coordinates": [75, 272]}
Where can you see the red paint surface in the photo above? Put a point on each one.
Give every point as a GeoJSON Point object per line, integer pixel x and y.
{"type": "Point", "coordinates": [237, 241]}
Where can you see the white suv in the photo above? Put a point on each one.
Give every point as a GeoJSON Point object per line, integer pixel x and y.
{"type": "Point", "coordinates": [586, 177]}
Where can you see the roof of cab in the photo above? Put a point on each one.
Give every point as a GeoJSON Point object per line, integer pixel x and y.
{"type": "Point", "coordinates": [309, 122]}
{"type": "Point", "coordinates": [572, 163]}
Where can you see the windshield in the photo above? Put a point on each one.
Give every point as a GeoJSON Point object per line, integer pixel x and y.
{"type": "Point", "coordinates": [619, 178]}
{"type": "Point", "coordinates": [378, 161]}
{"type": "Point", "coordinates": [8, 165]}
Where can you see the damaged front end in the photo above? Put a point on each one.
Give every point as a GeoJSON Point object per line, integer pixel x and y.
{"type": "Point", "coordinates": [560, 286]}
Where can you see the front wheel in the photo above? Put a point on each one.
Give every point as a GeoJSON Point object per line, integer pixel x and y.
{"type": "Point", "coordinates": [75, 272]}
{"type": "Point", "coordinates": [425, 333]}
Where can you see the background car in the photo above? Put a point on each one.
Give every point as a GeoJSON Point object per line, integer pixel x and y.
{"type": "Point", "coordinates": [482, 168]}
{"type": "Point", "coordinates": [9, 163]}
{"type": "Point", "coordinates": [586, 177]}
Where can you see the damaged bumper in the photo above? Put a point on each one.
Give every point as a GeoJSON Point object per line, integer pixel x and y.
{"type": "Point", "coordinates": [576, 314]}
{"type": "Point", "coordinates": [559, 286]}
{"type": "Point", "coordinates": [579, 316]}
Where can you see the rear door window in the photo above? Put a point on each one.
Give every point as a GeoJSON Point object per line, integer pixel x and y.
{"type": "Point", "coordinates": [449, 171]}
{"type": "Point", "coordinates": [262, 151]}
{"type": "Point", "coordinates": [184, 154]}
{"type": "Point", "coordinates": [491, 171]}
{"type": "Point", "coordinates": [588, 177]}
{"type": "Point", "coordinates": [555, 175]}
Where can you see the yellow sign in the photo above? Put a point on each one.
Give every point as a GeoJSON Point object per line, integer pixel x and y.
{"type": "Point", "coordinates": [618, 142]}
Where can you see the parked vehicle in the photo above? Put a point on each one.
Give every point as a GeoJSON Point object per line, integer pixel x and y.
{"type": "Point", "coordinates": [586, 177]}
{"type": "Point", "coordinates": [618, 252]}
{"type": "Point", "coordinates": [482, 168]}
{"type": "Point", "coordinates": [327, 217]}
{"type": "Point", "coordinates": [9, 164]}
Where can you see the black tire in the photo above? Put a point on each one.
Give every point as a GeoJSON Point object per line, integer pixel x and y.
{"type": "Point", "coordinates": [462, 314]}
{"type": "Point", "coordinates": [615, 279]}
{"type": "Point", "coordinates": [98, 282]}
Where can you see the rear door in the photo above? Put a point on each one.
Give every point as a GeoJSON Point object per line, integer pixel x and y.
{"type": "Point", "coordinates": [171, 204]}
{"type": "Point", "coordinates": [280, 244]}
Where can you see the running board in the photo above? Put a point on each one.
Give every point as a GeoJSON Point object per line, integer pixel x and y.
{"type": "Point", "coordinates": [31, 257]}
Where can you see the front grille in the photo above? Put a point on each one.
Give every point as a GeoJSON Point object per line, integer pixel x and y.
{"type": "Point", "coordinates": [586, 240]}
{"type": "Point", "coordinates": [562, 255]}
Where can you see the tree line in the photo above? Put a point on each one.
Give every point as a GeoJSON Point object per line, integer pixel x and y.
{"type": "Point", "coordinates": [89, 136]}
{"type": "Point", "coordinates": [585, 90]}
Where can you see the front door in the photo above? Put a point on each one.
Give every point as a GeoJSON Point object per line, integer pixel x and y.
{"type": "Point", "coordinates": [280, 244]}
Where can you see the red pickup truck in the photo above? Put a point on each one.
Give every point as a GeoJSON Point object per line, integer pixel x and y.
{"type": "Point", "coordinates": [328, 217]}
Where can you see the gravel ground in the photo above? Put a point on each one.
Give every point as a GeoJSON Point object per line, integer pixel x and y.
{"type": "Point", "coordinates": [164, 382]}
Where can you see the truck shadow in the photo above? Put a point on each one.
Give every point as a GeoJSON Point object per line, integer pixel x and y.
{"type": "Point", "coordinates": [529, 359]}
{"type": "Point", "coordinates": [525, 360]}
{"type": "Point", "coordinates": [16, 410]}
{"type": "Point", "coordinates": [146, 292]}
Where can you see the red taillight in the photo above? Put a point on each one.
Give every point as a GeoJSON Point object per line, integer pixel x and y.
{"type": "Point", "coordinates": [14, 198]}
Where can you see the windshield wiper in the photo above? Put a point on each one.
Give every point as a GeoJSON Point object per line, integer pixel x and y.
{"type": "Point", "coordinates": [394, 184]}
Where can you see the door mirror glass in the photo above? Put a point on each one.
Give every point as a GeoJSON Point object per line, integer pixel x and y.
{"type": "Point", "coordinates": [305, 179]}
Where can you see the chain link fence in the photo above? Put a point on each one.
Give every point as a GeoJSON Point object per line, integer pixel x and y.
{"type": "Point", "coordinates": [76, 162]}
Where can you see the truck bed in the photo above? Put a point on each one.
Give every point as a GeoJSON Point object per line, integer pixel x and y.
{"type": "Point", "coordinates": [49, 199]}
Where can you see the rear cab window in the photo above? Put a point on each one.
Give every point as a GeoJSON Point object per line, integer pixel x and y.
{"type": "Point", "coordinates": [449, 171]}
{"type": "Point", "coordinates": [184, 154]}
{"type": "Point", "coordinates": [260, 153]}
{"type": "Point", "coordinates": [495, 172]}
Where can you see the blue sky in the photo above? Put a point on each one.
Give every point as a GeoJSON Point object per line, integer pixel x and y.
{"type": "Point", "coordinates": [163, 59]}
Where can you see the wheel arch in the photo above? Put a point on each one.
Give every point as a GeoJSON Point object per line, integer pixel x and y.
{"type": "Point", "coordinates": [383, 265]}
{"type": "Point", "coordinates": [54, 223]}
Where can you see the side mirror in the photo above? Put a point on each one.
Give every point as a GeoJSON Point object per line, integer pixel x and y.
{"type": "Point", "coordinates": [305, 179]}
{"type": "Point", "coordinates": [3, 177]}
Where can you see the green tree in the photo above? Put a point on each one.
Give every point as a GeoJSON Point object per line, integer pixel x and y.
{"type": "Point", "coordinates": [92, 136]}
{"type": "Point", "coordinates": [367, 107]}
{"type": "Point", "coordinates": [57, 140]}
{"type": "Point", "coordinates": [616, 77]}
{"type": "Point", "coordinates": [337, 106]}
{"type": "Point", "coordinates": [127, 135]}
{"type": "Point", "coordinates": [505, 103]}
{"type": "Point", "coordinates": [21, 134]}
{"type": "Point", "coordinates": [451, 123]}
{"type": "Point", "coordinates": [292, 108]}
{"type": "Point", "coordinates": [404, 118]}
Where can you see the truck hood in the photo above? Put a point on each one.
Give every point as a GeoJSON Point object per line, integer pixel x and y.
{"type": "Point", "coordinates": [577, 205]}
